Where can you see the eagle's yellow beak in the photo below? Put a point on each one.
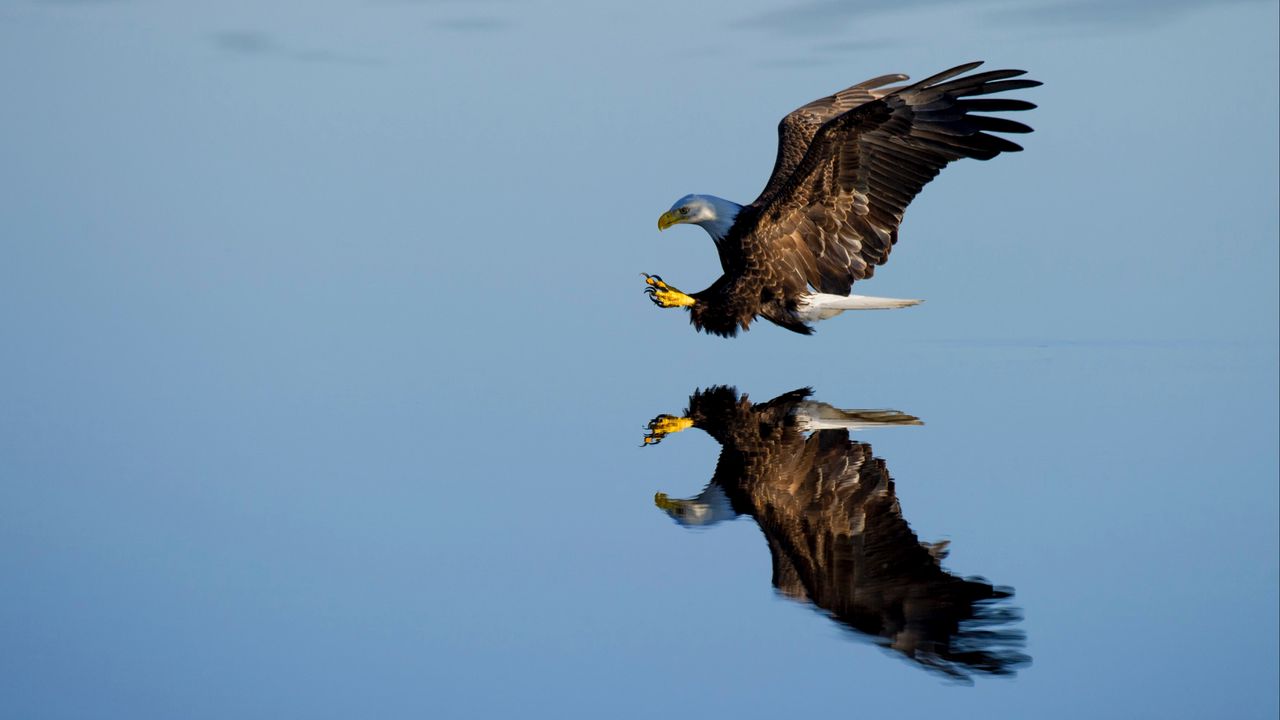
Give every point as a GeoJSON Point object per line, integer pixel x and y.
{"type": "Point", "coordinates": [669, 218]}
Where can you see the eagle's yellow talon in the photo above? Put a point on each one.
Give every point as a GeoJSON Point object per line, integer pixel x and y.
{"type": "Point", "coordinates": [663, 295]}
{"type": "Point", "coordinates": [671, 298]}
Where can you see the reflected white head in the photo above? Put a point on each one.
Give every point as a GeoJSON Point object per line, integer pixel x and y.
{"type": "Point", "coordinates": [708, 508]}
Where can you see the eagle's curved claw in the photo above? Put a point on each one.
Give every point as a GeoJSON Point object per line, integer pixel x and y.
{"type": "Point", "coordinates": [664, 295]}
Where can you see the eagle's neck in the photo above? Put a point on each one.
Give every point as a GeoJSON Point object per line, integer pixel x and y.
{"type": "Point", "coordinates": [726, 211]}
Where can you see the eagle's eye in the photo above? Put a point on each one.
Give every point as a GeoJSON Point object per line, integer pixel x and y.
{"type": "Point", "coordinates": [684, 211]}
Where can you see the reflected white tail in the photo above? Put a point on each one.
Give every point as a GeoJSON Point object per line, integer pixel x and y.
{"type": "Point", "coordinates": [820, 306]}
{"type": "Point", "coordinates": [821, 416]}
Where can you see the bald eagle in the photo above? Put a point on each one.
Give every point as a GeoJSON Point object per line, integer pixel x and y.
{"type": "Point", "coordinates": [847, 167]}
{"type": "Point", "coordinates": [830, 515]}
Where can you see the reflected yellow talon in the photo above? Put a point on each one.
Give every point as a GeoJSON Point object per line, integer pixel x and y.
{"type": "Point", "coordinates": [664, 425]}
{"type": "Point", "coordinates": [663, 295]}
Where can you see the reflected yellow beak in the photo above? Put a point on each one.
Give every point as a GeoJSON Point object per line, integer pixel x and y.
{"type": "Point", "coordinates": [669, 218]}
{"type": "Point", "coordinates": [664, 502]}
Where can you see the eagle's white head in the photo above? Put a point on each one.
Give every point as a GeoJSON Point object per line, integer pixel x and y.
{"type": "Point", "coordinates": [714, 214]}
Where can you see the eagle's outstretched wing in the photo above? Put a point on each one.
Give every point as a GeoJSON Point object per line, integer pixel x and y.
{"type": "Point", "coordinates": [797, 129]}
{"type": "Point", "coordinates": [836, 216]}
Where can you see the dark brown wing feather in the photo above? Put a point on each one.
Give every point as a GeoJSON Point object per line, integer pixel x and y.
{"type": "Point", "coordinates": [836, 216]}
{"type": "Point", "coordinates": [797, 129]}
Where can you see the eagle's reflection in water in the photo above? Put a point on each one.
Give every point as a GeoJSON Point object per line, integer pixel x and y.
{"type": "Point", "coordinates": [830, 513]}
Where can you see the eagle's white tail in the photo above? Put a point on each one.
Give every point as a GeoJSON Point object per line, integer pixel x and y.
{"type": "Point", "coordinates": [820, 306]}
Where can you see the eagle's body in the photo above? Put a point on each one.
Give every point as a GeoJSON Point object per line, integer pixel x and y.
{"type": "Point", "coordinates": [847, 167]}
{"type": "Point", "coordinates": [830, 515]}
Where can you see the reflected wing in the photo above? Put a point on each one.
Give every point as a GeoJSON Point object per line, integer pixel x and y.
{"type": "Point", "coordinates": [838, 538]}
{"type": "Point", "coordinates": [797, 129]}
{"type": "Point", "coordinates": [829, 511]}
{"type": "Point", "coordinates": [836, 216]}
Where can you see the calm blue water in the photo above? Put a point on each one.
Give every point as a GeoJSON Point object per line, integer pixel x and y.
{"type": "Point", "coordinates": [326, 366]}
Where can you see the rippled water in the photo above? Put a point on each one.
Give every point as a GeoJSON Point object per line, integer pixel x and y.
{"type": "Point", "coordinates": [327, 372]}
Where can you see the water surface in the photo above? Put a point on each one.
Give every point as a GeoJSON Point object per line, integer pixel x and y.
{"type": "Point", "coordinates": [327, 367]}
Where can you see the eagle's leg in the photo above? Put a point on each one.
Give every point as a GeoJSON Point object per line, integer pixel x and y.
{"type": "Point", "coordinates": [664, 425]}
{"type": "Point", "coordinates": [663, 295]}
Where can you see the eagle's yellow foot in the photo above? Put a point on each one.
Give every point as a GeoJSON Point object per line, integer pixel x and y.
{"type": "Point", "coordinates": [664, 425]}
{"type": "Point", "coordinates": [663, 295]}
